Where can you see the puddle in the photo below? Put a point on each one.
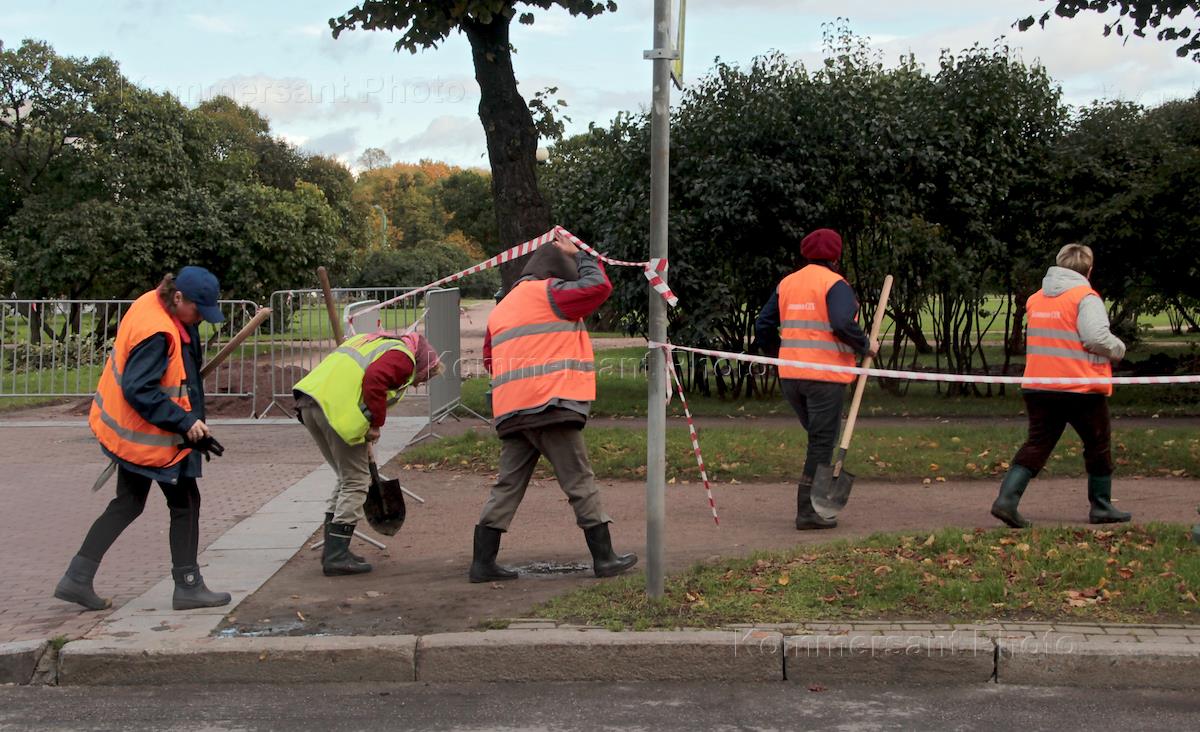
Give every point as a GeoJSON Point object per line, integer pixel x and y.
{"type": "Point", "coordinates": [549, 569]}
{"type": "Point", "coordinates": [291, 629]}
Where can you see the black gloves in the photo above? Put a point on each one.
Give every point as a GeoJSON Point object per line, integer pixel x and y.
{"type": "Point", "coordinates": [208, 446]}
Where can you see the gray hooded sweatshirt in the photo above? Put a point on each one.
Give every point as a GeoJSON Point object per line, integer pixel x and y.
{"type": "Point", "coordinates": [1092, 322]}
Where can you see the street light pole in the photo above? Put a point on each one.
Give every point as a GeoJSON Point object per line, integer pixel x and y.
{"type": "Point", "coordinates": [656, 407]}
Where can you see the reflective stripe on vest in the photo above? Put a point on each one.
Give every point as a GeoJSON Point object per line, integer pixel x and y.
{"type": "Point", "coordinates": [1054, 348]}
{"type": "Point", "coordinates": [336, 383]}
{"type": "Point", "coordinates": [536, 355]}
{"type": "Point", "coordinates": [805, 332]}
{"type": "Point", "coordinates": [116, 424]}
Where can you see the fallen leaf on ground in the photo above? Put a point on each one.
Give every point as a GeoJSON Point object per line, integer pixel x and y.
{"type": "Point", "coordinates": [817, 687]}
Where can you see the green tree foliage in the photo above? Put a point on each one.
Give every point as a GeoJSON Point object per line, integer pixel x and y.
{"type": "Point", "coordinates": [521, 212]}
{"type": "Point", "coordinates": [1173, 20]}
{"type": "Point", "coordinates": [105, 186]}
{"type": "Point", "coordinates": [934, 177]}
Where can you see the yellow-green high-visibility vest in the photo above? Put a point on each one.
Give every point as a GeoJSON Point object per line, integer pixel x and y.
{"type": "Point", "coordinates": [336, 383]}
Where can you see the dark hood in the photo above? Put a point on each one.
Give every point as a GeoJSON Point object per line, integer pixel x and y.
{"type": "Point", "coordinates": [549, 261]}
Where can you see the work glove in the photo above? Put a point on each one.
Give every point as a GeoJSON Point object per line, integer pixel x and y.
{"type": "Point", "coordinates": [207, 446]}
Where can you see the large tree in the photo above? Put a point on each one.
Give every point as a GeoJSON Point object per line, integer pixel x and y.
{"type": "Point", "coordinates": [521, 212]}
{"type": "Point", "coordinates": [1175, 20]}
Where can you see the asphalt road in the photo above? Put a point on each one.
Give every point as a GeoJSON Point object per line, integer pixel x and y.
{"type": "Point", "coordinates": [659, 707]}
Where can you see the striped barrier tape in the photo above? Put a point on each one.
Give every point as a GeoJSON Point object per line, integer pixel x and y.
{"type": "Point", "coordinates": [654, 270]}
{"type": "Point", "coordinates": [670, 366]}
{"type": "Point", "coordinates": [935, 376]}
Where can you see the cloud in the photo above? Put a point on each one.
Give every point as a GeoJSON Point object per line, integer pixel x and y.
{"type": "Point", "coordinates": [448, 137]}
{"type": "Point", "coordinates": [342, 144]}
{"type": "Point", "coordinates": [212, 23]}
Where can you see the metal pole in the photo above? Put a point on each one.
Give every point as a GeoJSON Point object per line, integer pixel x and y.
{"type": "Point", "coordinates": [656, 408]}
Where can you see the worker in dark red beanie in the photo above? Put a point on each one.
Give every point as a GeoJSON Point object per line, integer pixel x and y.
{"type": "Point", "coordinates": [812, 317]}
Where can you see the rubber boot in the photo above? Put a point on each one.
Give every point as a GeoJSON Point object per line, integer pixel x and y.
{"type": "Point", "coordinates": [606, 562]}
{"type": "Point", "coordinates": [1011, 489]}
{"type": "Point", "coordinates": [328, 521]}
{"type": "Point", "coordinates": [191, 592]}
{"type": "Point", "coordinates": [1100, 496]}
{"type": "Point", "coordinates": [483, 558]}
{"type": "Point", "coordinates": [76, 585]}
{"type": "Point", "coordinates": [336, 559]}
{"type": "Point", "coordinates": [807, 517]}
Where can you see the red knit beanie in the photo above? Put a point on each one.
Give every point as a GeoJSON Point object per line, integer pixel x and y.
{"type": "Point", "coordinates": [822, 244]}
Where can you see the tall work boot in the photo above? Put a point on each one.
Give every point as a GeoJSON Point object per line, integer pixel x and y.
{"type": "Point", "coordinates": [807, 517]}
{"type": "Point", "coordinates": [325, 536]}
{"type": "Point", "coordinates": [191, 592]}
{"type": "Point", "coordinates": [336, 558]}
{"type": "Point", "coordinates": [483, 558]}
{"type": "Point", "coordinates": [76, 584]}
{"type": "Point", "coordinates": [606, 562]}
{"type": "Point", "coordinates": [1100, 496]}
{"type": "Point", "coordinates": [1011, 489]}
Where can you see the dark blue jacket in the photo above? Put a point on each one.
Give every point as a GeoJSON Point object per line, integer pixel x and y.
{"type": "Point", "coordinates": [144, 370]}
{"type": "Point", "coordinates": [842, 306]}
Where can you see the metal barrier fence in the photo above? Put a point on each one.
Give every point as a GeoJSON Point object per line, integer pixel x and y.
{"type": "Point", "coordinates": [301, 334]}
{"type": "Point", "coordinates": [57, 348]}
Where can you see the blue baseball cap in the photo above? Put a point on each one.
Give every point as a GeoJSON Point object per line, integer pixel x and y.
{"type": "Point", "coordinates": [201, 287]}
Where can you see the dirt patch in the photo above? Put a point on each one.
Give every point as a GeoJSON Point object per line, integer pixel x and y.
{"type": "Point", "coordinates": [419, 584]}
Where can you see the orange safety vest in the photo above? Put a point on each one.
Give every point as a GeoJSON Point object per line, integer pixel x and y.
{"type": "Point", "coordinates": [804, 326]}
{"type": "Point", "coordinates": [116, 424]}
{"type": "Point", "coordinates": [1053, 346]}
{"type": "Point", "coordinates": [536, 355]}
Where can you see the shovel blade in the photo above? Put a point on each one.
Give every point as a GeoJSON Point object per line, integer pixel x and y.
{"type": "Point", "coordinates": [384, 508]}
{"type": "Point", "coordinates": [830, 494]}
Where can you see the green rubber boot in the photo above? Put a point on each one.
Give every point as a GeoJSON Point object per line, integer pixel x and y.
{"type": "Point", "coordinates": [1100, 496]}
{"type": "Point", "coordinates": [1011, 490]}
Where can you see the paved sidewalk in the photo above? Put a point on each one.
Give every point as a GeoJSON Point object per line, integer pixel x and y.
{"type": "Point", "coordinates": [45, 489]}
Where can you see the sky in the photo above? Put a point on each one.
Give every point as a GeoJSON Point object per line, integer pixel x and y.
{"type": "Point", "coordinates": [339, 97]}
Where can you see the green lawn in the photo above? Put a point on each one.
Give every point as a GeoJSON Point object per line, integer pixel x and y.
{"type": "Point", "coordinates": [747, 454]}
{"type": "Point", "coordinates": [1129, 574]}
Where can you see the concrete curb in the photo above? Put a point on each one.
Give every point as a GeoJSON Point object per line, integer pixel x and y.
{"type": "Point", "coordinates": [858, 658]}
{"type": "Point", "coordinates": [1096, 665]}
{"type": "Point", "coordinates": [241, 660]}
{"type": "Point", "coordinates": [600, 655]}
{"type": "Point", "coordinates": [564, 654]}
{"type": "Point", "coordinates": [19, 660]}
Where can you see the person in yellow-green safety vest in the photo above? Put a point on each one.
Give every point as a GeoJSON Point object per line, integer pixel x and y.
{"type": "Point", "coordinates": [343, 403]}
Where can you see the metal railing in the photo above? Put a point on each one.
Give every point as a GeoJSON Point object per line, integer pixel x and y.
{"type": "Point", "coordinates": [57, 348]}
{"type": "Point", "coordinates": [301, 334]}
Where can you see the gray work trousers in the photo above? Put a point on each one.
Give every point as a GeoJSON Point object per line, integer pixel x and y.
{"type": "Point", "coordinates": [350, 463]}
{"type": "Point", "coordinates": [567, 452]}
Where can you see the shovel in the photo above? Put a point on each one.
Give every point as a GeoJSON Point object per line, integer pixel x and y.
{"type": "Point", "coordinates": [384, 507]}
{"type": "Point", "coordinates": [832, 483]}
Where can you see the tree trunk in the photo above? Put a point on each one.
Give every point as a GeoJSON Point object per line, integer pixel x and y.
{"type": "Point", "coordinates": [521, 212]}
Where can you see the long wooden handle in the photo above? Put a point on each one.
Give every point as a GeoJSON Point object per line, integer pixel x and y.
{"type": "Point", "coordinates": [330, 307]}
{"type": "Point", "coordinates": [876, 325]}
{"type": "Point", "coordinates": [234, 342]}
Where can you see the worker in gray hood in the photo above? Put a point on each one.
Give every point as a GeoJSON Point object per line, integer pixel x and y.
{"type": "Point", "coordinates": [1068, 336]}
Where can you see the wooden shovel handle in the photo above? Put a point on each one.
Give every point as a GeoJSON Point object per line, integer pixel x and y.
{"type": "Point", "coordinates": [861, 386]}
{"type": "Point", "coordinates": [212, 364]}
{"type": "Point", "coordinates": [330, 307]}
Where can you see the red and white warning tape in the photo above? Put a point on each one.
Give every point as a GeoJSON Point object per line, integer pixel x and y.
{"type": "Point", "coordinates": [654, 270]}
{"type": "Point", "coordinates": [670, 365]}
{"type": "Point", "coordinates": [935, 376]}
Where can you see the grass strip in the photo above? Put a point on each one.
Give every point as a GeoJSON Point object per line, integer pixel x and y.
{"type": "Point", "coordinates": [1134, 574]}
{"type": "Point", "coordinates": [744, 454]}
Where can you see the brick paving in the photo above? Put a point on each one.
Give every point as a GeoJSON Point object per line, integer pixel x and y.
{"type": "Point", "coordinates": [48, 506]}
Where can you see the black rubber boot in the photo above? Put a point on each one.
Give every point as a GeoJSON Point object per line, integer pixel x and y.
{"type": "Point", "coordinates": [606, 562]}
{"type": "Point", "coordinates": [328, 521]}
{"type": "Point", "coordinates": [76, 585]}
{"type": "Point", "coordinates": [1100, 496]}
{"type": "Point", "coordinates": [1011, 490]}
{"type": "Point", "coordinates": [807, 518]}
{"type": "Point", "coordinates": [483, 558]}
{"type": "Point", "coordinates": [336, 559]}
{"type": "Point", "coordinates": [191, 592]}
